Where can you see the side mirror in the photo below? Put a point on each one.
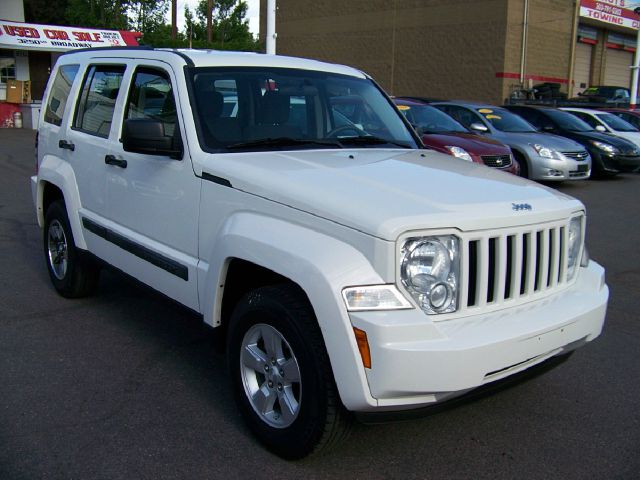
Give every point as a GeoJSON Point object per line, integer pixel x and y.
{"type": "Point", "coordinates": [146, 135]}
{"type": "Point", "coordinates": [478, 127]}
{"type": "Point", "coordinates": [600, 128]}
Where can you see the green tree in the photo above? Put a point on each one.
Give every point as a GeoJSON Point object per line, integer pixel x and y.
{"type": "Point", "coordinates": [148, 16]}
{"type": "Point", "coordinates": [111, 14]}
{"type": "Point", "coordinates": [230, 25]}
{"type": "Point", "coordinates": [45, 11]}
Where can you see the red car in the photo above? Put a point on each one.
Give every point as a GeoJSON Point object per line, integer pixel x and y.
{"type": "Point", "coordinates": [443, 134]}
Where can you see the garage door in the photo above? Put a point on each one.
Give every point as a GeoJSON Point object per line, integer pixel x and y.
{"type": "Point", "coordinates": [582, 67]}
{"type": "Point", "coordinates": [617, 72]}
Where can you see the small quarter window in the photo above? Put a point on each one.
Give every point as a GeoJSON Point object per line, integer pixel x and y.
{"type": "Point", "coordinates": [98, 99]}
{"type": "Point", "coordinates": [59, 94]}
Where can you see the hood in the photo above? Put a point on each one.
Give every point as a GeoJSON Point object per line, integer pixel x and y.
{"type": "Point", "coordinates": [625, 146]}
{"type": "Point", "coordinates": [474, 144]}
{"type": "Point", "coordinates": [523, 139]}
{"type": "Point", "coordinates": [387, 192]}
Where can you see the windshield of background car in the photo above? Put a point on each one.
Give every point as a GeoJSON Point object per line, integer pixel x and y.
{"type": "Point", "coordinates": [505, 121]}
{"type": "Point", "coordinates": [616, 123]}
{"type": "Point", "coordinates": [566, 121]}
{"type": "Point", "coordinates": [430, 119]}
{"type": "Point", "coordinates": [261, 109]}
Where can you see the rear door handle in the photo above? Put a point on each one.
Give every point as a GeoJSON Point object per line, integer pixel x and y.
{"type": "Point", "coordinates": [66, 145]}
{"type": "Point", "coordinates": [112, 160]}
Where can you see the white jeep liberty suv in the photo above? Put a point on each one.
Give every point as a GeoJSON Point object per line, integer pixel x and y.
{"type": "Point", "coordinates": [290, 204]}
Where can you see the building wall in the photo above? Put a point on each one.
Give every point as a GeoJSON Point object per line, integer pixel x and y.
{"type": "Point", "coordinates": [12, 10]}
{"type": "Point", "coordinates": [434, 48]}
{"type": "Point", "coordinates": [461, 49]}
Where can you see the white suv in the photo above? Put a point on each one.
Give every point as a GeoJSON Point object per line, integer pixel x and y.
{"type": "Point", "coordinates": [350, 269]}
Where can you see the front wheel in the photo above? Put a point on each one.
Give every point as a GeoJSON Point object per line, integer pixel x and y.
{"type": "Point", "coordinates": [281, 375]}
{"type": "Point", "coordinates": [72, 274]}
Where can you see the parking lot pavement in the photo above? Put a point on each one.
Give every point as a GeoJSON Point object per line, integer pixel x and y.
{"type": "Point", "coordinates": [126, 384]}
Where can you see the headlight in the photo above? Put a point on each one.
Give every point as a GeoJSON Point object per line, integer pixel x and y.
{"type": "Point", "coordinates": [459, 153]}
{"type": "Point", "coordinates": [547, 152]}
{"type": "Point", "coordinates": [430, 271]}
{"type": "Point", "coordinates": [374, 297]}
{"type": "Point", "coordinates": [605, 147]}
{"type": "Point", "coordinates": [575, 242]}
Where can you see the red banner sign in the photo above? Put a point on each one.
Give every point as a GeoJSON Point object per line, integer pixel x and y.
{"type": "Point", "coordinates": [615, 12]}
{"type": "Point", "coordinates": [53, 38]}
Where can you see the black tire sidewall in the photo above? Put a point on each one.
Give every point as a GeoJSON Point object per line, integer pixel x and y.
{"type": "Point", "coordinates": [57, 211]}
{"type": "Point", "coordinates": [299, 439]}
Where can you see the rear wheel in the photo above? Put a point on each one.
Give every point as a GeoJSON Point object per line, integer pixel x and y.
{"type": "Point", "coordinates": [281, 375]}
{"type": "Point", "coordinates": [72, 274]}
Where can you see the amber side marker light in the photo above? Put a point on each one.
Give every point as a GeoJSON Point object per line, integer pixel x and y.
{"type": "Point", "coordinates": [363, 346]}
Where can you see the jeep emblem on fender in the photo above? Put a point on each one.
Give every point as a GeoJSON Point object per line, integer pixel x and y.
{"type": "Point", "coordinates": [521, 206]}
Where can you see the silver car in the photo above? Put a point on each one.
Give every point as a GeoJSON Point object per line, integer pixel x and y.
{"type": "Point", "coordinates": [542, 156]}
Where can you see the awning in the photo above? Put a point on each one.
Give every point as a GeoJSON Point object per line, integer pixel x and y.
{"type": "Point", "coordinates": [54, 38]}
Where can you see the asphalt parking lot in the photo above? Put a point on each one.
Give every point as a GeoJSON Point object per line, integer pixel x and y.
{"type": "Point", "coordinates": [126, 384]}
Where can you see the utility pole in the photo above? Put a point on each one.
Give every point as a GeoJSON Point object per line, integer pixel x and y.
{"type": "Point", "coordinates": [209, 22]}
{"type": "Point", "coordinates": [174, 19]}
{"type": "Point", "coordinates": [635, 67]}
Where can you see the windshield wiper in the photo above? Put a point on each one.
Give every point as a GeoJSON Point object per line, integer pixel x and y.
{"type": "Point", "coordinates": [370, 140]}
{"type": "Point", "coordinates": [283, 142]}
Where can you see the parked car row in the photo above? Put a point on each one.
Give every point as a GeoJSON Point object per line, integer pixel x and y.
{"type": "Point", "coordinates": [543, 143]}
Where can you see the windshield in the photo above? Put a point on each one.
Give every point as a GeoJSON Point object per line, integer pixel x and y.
{"type": "Point", "coordinates": [505, 121]}
{"type": "Point", "coordinates": [259, 109]}
{"type": "Point", "coordinates": [616, 123]}
{"type": "Point", "coordinates": [430, 120]}
{"type": "Point", "coordinates": [569, 122]}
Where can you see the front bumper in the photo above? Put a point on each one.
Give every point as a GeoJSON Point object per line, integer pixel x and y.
{"type": "Point", "coordinates": [417, 362]}
{"type": "Point", "coordinates": [559, 170]}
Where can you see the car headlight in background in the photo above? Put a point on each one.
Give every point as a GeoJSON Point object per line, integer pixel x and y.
{"type": "Point", "coordinates": [547, 152]}
{"type": "Point", "coordinates": [430, 271]}
{"type": "Point", "coordinates": [574, 243]}
{"type": "Point", "coordinates": [605, 147]}
{"type": "Point", "coordinates": [459, 152]}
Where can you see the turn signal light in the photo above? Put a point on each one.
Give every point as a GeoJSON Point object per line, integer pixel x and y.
{"type": "Point", "coordinates": [363, 346]}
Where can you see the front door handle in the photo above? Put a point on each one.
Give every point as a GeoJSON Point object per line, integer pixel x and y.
{"type": "Point", "coordinates": [66, 145]}
{"type": "Point", "coordinates": [112, 160]}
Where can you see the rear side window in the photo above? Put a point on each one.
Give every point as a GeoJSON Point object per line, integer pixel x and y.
{"type": "Point", "coordinates": [98, 99]}
{"type": "Point", "coordinates": [59, 94]}
{"type": "Point", "coordinates": [151, 97]}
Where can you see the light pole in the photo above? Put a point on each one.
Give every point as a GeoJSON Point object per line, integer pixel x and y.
{"type": "Point", "coordinates": [271, 27]}
{"type": "Point", "coordinates": [635, 67]}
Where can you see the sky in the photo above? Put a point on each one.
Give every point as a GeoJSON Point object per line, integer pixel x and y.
{"type": "Point", "coordinates": [253, 13]}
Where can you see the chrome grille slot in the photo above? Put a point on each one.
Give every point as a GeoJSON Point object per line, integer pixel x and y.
{"type": "Point", "coordinates": [513, 264]}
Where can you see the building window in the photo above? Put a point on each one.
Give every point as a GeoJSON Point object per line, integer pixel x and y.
{"type": "Point", "coordinates": [7, 68]}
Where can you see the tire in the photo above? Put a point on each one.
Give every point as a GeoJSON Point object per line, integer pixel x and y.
{"type": "Point", "coordinates": [295, 410]}
{"type": "Point", "coordinates": [72, 272]}
{"type": "Point", "coordinates": [524, 168]}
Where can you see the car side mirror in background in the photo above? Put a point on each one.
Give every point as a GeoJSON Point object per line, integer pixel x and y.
{"type": "Point", "coordinates": [600, 128]}
{"type": "Point", "coordinates": [478, 127]}
{"type": "Point", "coordinates": [146, 135]}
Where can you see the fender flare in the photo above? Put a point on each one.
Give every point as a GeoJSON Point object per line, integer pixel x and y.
{"type": "Point", "coordinates": [57, 172]}
{"type": "Point", "coordinates": [321, 265]}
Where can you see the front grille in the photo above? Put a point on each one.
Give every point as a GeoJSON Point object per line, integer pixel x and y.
{"type": "Point", "coordinates": [496, 161]}
{"type": "Point", "coordinates": [579, 156]}
{"type": "Point", "coordinates": [513, 264]}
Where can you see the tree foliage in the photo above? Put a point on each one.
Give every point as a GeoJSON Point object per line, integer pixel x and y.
{"type": "Point", "coordinates": [229, 23]}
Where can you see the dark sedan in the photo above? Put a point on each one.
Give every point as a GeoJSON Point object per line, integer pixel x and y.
{"type": "Point", "coordinates": [443, 134]}
{"type": "Point", "coordinates": [610, 154]}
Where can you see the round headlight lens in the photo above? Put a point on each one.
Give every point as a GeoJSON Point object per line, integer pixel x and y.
{"type": "Point", "coordinates": [429, 271]}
